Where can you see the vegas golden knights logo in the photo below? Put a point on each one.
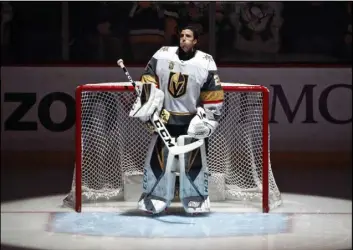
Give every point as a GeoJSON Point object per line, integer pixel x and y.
{"type": "Point", "coordinates": [177, 84]}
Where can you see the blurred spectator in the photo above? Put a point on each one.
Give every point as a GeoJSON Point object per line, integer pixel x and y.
{"type": "Point", "coordinates": [33, 32]}
{"type": "Point", "coordinates": [111, 30]}
{"type": "Point", "coordinates": [146, 30]}
{"type": "Point", "coordinates": [257, 26]}
{"type": "Point", "coordinates": [80, 29]}
{"type": "Point", "coordinates": [6, 18]}
{"type": "Point", "coordinates": [224, 29]}
{"type": "Point", "coordinates": [102, 36]}
{"type": "Point", "coordinates": [171, 22]}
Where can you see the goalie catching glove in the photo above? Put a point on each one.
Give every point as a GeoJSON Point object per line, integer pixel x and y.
{"type": "Point", "coordinates": [201, 126]}
{"type": "Point", "coordinates": [150, 100]}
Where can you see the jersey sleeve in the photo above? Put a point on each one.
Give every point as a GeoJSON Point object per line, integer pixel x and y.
{"type": "Point", "coordinates": [212, 94]}
{"type": "Point", "coordinates": [149, 74]}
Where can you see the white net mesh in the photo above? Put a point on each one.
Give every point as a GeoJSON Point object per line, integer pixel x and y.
{"type": "Point", "coordinates": [114, 145]}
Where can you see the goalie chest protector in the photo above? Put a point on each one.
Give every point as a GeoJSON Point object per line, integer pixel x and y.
{"type": "Point", "coordinates": [181, 81]}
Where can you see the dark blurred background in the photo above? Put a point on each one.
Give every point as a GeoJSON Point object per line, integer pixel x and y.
{"type": "Point", "coordinates": [235, 33]}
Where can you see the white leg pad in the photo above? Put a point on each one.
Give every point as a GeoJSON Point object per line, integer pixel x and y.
{"type": "Point", "coordinates": [194, 194]}
{"type": "Point", "coordinates": [133, 184]}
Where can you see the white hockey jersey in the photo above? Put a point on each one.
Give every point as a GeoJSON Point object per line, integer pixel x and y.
{"type": "Point", "coordinates": [186, 84]}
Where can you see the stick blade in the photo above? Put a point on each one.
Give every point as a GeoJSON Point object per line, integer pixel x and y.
{"type": "Point", "coordinates": [177, 150]}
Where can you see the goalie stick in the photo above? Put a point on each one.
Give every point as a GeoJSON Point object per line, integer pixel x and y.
{"type": "Point", "coordinates": [157, 123]}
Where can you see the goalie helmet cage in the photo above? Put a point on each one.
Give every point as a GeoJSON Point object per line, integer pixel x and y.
{"type": "Point", "coordinates": [111, 146]}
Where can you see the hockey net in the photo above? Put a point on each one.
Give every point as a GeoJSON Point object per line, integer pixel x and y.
{"type": "Point", "coordinates": [111, 146]}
